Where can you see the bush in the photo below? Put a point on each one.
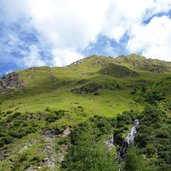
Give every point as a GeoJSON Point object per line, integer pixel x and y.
{"type": "Point", "coordinates": [150, 150]}
{"type": "Point", "coordinates": [48, 109]}
{"type": "Point", "coordinates": [153, 137]}
{"type": "Point", "coordinates": [9, 112]}
{"type": "Point", "coordinates": [54, 115]}
{"type": "Point", "coordinates": [134, 162]}
{"type": "Point", "coordinates": [16, 114]}
{"type": "Point", "coordinates": [7, 139]}
{"type": "Point", "coordinates": [88, 151]}
{"type": "Point", "coordinates": [154, 96]}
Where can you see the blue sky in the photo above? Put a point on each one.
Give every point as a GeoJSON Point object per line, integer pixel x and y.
{"type": "Point", "coordinates": [56, 33]}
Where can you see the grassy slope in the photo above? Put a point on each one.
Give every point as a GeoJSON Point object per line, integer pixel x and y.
{"type": "Point", "coordinates": [51, 87]}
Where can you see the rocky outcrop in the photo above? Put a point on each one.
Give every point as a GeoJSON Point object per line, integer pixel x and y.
{"type": "Point", "coordinates": [82, 81]}
{"type": "Point", "coordinates": [10, 81]}
{"type": "Point", "coordinates": [77, 62]}
{"type": "Point", "coordinates": [90, 88]}
{"type": "Point", "coordinates": [159, 69]}
{"type": "Point", "coordinates": [118, 71]}
{"type": "Point", "coordinates": [54, 156]}
{"type": "Point", "coordinates": [52, 132]}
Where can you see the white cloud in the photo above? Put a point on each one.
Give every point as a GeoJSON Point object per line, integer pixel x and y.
{"type": "Point", "coordinates": [33, 58]}
{"type": "Point", "coordinates": [65, 56]}
{"type": "Point", "coordinates": [68, 23]}
{"type": "Point", "coordinates": [62, 25]}
{"type": "Point", "coordinates": [123, 14]}
{"type": "Point", "coordinates": [66, 27]}
{"type": "Point", "coordinates": [153, 39]}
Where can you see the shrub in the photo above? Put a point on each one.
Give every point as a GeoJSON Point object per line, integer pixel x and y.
{"type": "Point", "coordinates": [9, 112]}
{"type": "Point", "coordinates": [7, 139]}
{"type": "Point", "coordinates": [16, 114]}
{"type": "Point", "coordinates": [48, 109]}
{"type": "Point", "coordinates": [150, 150]}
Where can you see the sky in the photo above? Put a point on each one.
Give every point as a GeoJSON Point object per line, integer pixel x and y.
{"type": "Point", "coordinates": [59, 32]}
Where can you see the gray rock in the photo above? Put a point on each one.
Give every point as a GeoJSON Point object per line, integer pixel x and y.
{"type": "Point", "coordinates": [44, 160]}
{"type": "Point", "coordinates": [10, 82]}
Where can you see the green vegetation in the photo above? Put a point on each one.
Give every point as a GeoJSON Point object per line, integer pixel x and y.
{"type": "Point", "coordinates": [59, 118]}
{"type": "Point", "coordinates": [88, 151]}
{"type": "Point", "coordinates": [153, 137]}
{"type": "Point", "coordinates": [135, 162]}
{"type": "Point", "coordinates": [151, 151]}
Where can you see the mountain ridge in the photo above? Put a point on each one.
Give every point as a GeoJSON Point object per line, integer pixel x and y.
{"type": "Point", "coordinates": [120, 60]}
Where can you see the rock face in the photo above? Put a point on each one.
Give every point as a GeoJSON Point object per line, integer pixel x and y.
{"type": "Point", "coordinates": [10, 81]}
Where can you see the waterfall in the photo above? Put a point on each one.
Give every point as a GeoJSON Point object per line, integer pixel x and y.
{"type": "Point", "coordinates": [128, 140]}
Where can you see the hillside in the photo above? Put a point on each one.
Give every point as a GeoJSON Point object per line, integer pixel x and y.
{"type": "Point", "coordinates": [41, 107]}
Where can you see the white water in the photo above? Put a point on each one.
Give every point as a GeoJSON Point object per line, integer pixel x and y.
{"type": "Point", "coordinates": [128, 139]}
{"type": "Point", "coordinates": [131, 135]}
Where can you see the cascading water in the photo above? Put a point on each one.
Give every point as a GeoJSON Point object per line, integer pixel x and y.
{"type": "Point", "coordinates": [128, 140]}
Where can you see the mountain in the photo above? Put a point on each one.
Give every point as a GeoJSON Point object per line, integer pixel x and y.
{"type": "Point", "coordinates": [141, 63]}
{"type": "Point", "coordinates": [41, 107]}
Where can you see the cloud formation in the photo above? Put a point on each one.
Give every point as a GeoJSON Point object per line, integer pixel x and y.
{"type": "Point", "coordinates": [56, 33]}
{"type": "Point", "coordinates": [152, 39]}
